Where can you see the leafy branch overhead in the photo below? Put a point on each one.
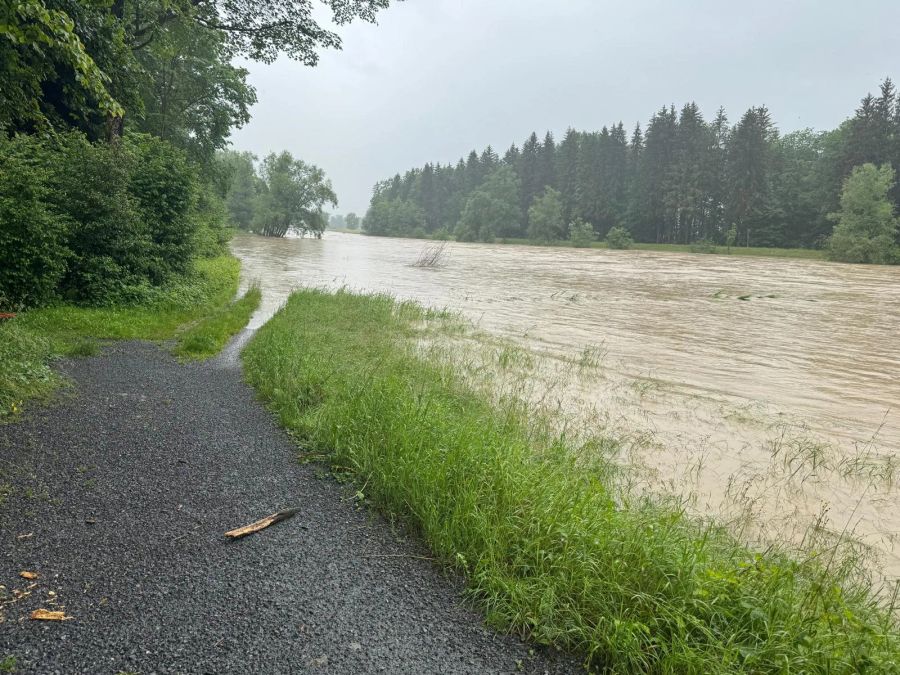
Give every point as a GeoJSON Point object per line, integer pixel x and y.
{"type": "Point", "coordinates": [263, 29]}
{"type": "Point", "coordinates": [165, 65]}
{"type": "Point", "coordinates": [41, 33]}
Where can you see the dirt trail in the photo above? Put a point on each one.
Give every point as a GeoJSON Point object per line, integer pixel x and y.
{"type": "Point", "coordinates": [118, 497]}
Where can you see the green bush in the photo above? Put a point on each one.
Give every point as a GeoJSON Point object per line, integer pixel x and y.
{"type": "Point", "coordinates": [581, 234]}
{"type": "Point", "coordinates": [162, 184]}
{"type": "Point", "coordinates": [101, 223]}
{"type": "Point", "coordinates": [703, 246]}
{"type": "Point", "coordinates": [619, 238]}
{"type": "Point", "coordinates": [33, 250]}
{"type": "Point", "coordinates": [108, 241]}
{"type": "Point", "coordinates": [866, 227]}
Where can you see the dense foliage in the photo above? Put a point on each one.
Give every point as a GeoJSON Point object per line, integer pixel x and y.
{"type": "Point", "coordinates": [162, 67]}
{"type": "Point", "coordinates": [680, 180]}
{"type": "Point", "coordinates": [95, 223]}
{"type": "Point", "coordinates": [866, 228]}
{"type": "Point", "coordinates": [113, 116]}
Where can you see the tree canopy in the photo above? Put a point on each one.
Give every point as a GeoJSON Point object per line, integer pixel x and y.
{"type": "Point", "coordinates": [286, 195]}
{"type": "Point", "coordinates": [164, 66]}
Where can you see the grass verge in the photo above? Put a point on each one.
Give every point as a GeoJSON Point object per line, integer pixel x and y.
{"type": "Point", "coordinates": [755, 251]}
{"type": "Point", "coordinates": [30, 341]}
{"type": "Point", "coordinates": [207, 337]}
{"type": "Point", "coordinates": [533, 518]}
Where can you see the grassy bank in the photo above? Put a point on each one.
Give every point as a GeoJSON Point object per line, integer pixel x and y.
{"type": "Point", "coordinates": [202, 301]}
{"type": "Point", "coordinates": [548, 546]}
{"type": "Point", "coordinates": [758, 251]}
{"type": "Point", "coordinates": [207, 337]}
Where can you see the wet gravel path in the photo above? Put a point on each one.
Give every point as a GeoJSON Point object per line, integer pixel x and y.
{"type": "Point", "coordinates": [118, 495]}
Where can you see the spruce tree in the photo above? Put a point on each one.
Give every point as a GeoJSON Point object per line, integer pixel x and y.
{"type": "Point", "coordinates": [529, 172]}
{"type": "Point", "coordinates": [750, 179]}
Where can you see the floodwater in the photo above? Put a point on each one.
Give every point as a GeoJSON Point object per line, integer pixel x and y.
{"type": "Point", "coordinates": [766, 391]}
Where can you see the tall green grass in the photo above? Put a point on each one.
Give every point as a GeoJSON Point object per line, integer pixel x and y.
{"type": "Point", "coordinates": [549, 547]}
{"type": "Point", "coordinates": [207, 337]}
{"type": "Point", "coordinates": [30, 341]}
{"type": "Point", "coordinates": [212, 285]}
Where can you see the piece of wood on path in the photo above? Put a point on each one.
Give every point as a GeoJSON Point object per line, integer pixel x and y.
{"type": "Point", "coordinates": [28, 575]}
{"type": "Point", "coordinates": [49, 615]}
{"type": "Point", "coordinates": [261, 524]}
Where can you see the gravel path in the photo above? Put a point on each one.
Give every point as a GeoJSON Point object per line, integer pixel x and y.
{"type": "Point", "coordinates": [118, 495]}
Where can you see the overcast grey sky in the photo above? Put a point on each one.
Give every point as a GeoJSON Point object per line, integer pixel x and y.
{"type": "Point", "coordinates": [437, 78]}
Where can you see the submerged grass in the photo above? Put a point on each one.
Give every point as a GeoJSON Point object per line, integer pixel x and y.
{"type": "Point", "coordinates": [207, 337]}
{"type": "Point", "coordinates": [549, 546]}
{"type": "Point", "coordinates": [30, 341]}
{"type": "Point", "coordinates": [756, 251]}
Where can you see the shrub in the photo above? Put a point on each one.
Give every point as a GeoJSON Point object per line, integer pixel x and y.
{"type": "Point", "coordinates": [162, 184]}
{"type": "Point", "coordinates": [866, 225]}
{"type": "Point", "coordinates": [98, 224]}
{"type": "Point", "coordinates": [619, 238]}
{"type": "Point", "coordinates": [703, 246]}
{"type": "Point", "coordinates": [581, 234]}
{"type": "Point", "coordinates": [107, 239]}
{"type": "Point", "coordinates": [33, 251]}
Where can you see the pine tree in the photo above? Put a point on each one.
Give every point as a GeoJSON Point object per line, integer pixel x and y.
{"type": "Point", "coordinates": [655, 167]}
{"type": "Point", "coordinates": [547, 163]}
{"type": "Point", "coordinates": [685, 194]}
{"type": "Point", "coordinates": [566, 171]}
{"type": "Point", "coordinates": [511, 158]}
{"type": "Point", "coordinates": [750, 179]}
{"type": "Point", "coordinates": [426, 198]}
{"type": "Point", "coordinates": [716, 179]}
{"type": "Point", "coordinates": [529, 173]}
{"type": "Point", "coordinates": [474, 172]}
{"type": "Point", "coordinates": [489, 160]}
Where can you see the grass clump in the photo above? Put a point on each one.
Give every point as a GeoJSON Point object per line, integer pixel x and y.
{"type": "Point", "coordinates": [533, 519]}
{"type": "Point", "coordinates": [24, 370]}
{"type": "Point", "coordinates": [207, 337]}
{"type": "Point", "coordinates": [29, 342]}
{"type": "Point", "coordinates": [211, 285]}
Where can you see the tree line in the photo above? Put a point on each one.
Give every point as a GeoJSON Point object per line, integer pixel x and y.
{"type": "Point", "coordinates": [113, 121]}
{"type": "Point", "coordinates": [680, 179]}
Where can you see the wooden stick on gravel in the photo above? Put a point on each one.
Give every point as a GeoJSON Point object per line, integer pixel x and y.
{"type": "Point", "coordinates": [261, 524]}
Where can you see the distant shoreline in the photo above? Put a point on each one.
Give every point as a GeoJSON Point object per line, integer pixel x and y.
{"type": "Point", "coordinates": [756, 251]}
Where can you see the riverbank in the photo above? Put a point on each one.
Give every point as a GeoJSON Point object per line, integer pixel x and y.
{"type": "Point", "coordinates": [753, 251]}
{"type": "Point", "coordinates": [197, 310]}
{"type": "Point", "coordinates": [550, 547]}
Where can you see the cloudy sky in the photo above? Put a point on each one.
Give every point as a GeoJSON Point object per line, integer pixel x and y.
{"type": "Point", "coordinates": [437, 78]}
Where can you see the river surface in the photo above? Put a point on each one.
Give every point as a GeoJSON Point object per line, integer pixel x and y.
{"type": "Point", "coordinates": [765, 390]}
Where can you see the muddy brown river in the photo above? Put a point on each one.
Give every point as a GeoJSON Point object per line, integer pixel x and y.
{"type": "Point", "coordinates": [765, 391]}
